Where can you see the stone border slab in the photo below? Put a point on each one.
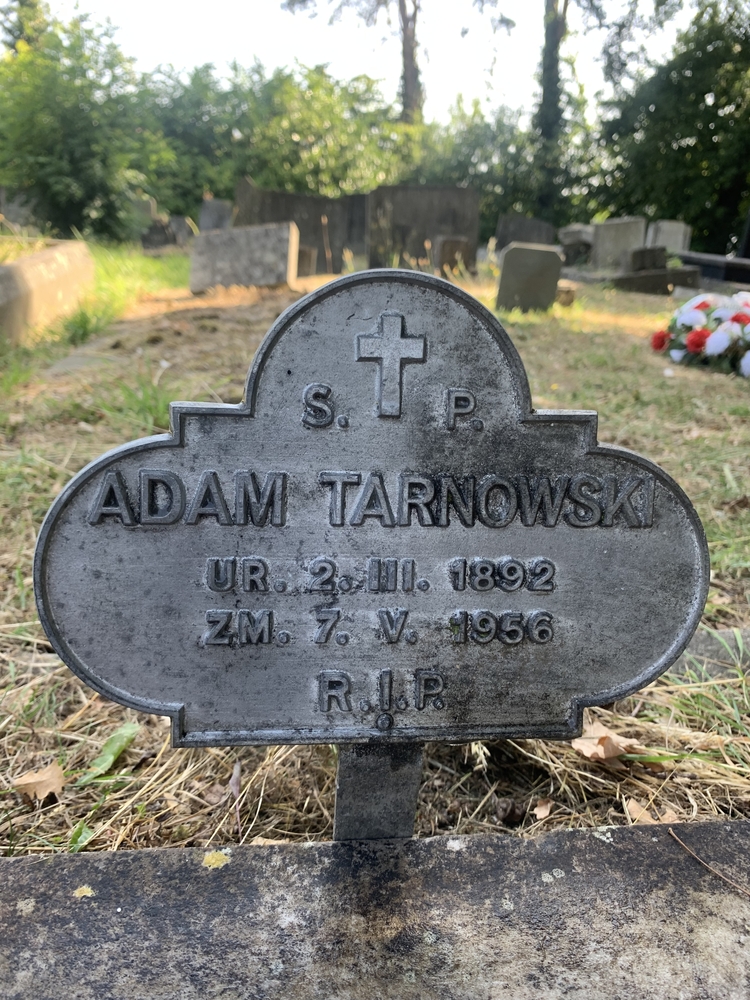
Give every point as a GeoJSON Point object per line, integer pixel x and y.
{"type": "Point", "coordinates": [39, 289]}
{"type": "Point", "coordinates": [616, 913]}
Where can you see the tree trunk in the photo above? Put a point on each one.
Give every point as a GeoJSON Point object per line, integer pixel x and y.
{"type": "Point", "coordinates": [411, 88]}
{"type": "Point", "coordinates": [549, 117]}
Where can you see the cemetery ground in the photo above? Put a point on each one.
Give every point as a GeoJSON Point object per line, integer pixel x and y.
{"type": "Point", "coordinates": [679, 750]}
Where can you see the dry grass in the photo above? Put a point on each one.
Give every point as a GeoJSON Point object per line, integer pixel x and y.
{"type": "Point", "coordinates": [54, 419]}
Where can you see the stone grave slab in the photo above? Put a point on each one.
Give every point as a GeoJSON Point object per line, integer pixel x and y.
{"type": "Point", "coordinates": [245, 255]}
{"type": "Point", "coordinates": [605, 913]}
{"type": "Point", "coordinates": [669, 233]}
{"type": "Point", "coordinates": [216, 213]}
{"type": "Point", "coordinates": [529, 273]}
{"type": "Point", "coordinates": [614, 238]}
{"type": "Point", "coordinates": [517, 228]}
{"type": "Point", "coordinates": [660, 281]}
{"type": "Point", "coordinates": [383, 544]}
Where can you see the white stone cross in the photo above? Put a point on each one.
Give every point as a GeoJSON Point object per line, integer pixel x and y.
{"type": "Point", "coordinates": [392, 349]}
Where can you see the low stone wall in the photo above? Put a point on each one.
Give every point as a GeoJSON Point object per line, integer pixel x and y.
{"type": "Point", "coordinates": [619, 913]}
{"type": "Point", "coordinates": [38, 289]}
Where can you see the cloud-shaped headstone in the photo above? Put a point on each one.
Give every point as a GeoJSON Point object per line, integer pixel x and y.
{"type": "Point", "coordinates": [384, 541]}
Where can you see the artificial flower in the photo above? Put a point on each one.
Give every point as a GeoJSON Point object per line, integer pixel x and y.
{"type": "Point", "coordinates": [676, 355]}
{"type": "Point", "coordinates": [660, 340]}
{"type": "Point", "coordinates": [745, 364]}
{"type": "Point", "coordinates": [696, 340]}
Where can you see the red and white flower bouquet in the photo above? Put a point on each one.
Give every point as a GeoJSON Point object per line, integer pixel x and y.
{"type": "Point", "coordinates": [711, 330]}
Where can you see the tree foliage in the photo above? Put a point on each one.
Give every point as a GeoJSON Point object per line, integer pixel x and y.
{"type": "Point", "coordinates": [24, 21]}
{"type": "Point", "coordinates": [680, 144]}
{"type": "Point", "coordinates": [71, 135]}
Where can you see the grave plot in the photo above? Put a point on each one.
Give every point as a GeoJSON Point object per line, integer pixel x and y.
{"type": "Point", "coordinates": [602, 585]}
{"type": "Point", "coordinates": [152, 795]}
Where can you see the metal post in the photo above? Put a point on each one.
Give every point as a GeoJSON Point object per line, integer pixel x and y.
{"type": "Point", "coordinates": [377, 785]}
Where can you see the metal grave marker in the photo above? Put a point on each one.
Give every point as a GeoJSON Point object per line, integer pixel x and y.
{"type": "Point", "coordinates": [384, 544]}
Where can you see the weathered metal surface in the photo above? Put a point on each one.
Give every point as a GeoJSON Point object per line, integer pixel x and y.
{"type": "Point", "coordinates": [616, 914]}
{"type": "Point", "coordinates": [383, 543]}
{"type": "Point", "coordinates": [377, 786]}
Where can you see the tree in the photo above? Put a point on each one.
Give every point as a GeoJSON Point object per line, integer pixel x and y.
{"type": "Point", "coordinates": [72, 136]}
{"type": "Point", "coordinates": [24, 21]}
{"type": "Point", "coordinates": [305, 131]}
{"type": "Point", "coordinates": [195, 114]}
{"type": "Point", "coordinates": [679, 146]}
{"type": "Point", "coordinates": [412, 95]}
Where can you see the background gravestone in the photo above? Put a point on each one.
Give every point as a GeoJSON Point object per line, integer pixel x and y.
{"type": "Point", "coordinates": [251, 255]}
{"type": "Point", "coordinates": [216, 213]}
{"type": "Point", "coordinates": [528, 276]}
{"type": "Point", "coordinates": [516, 228]}
{"type": "Point", "coordinates": [400, 220]}
{"type": "Point", "coordinates": [673, 235]}
{"type": "Point", "coordinates": [182, 228]}
{"type": "Point", "coordinates": [447, 251]}
{"type": "Point", "coordinates": [614, 238]}
{"type": "Point", "coordinates": [345, 226]}
{"type": "Point", "coordinates": [159, 234]}
{"type": "Point", "coordinates": [576, 241]}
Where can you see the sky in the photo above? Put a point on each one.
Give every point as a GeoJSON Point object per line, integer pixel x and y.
{"type": "Point", "coordinates": [458, 51]}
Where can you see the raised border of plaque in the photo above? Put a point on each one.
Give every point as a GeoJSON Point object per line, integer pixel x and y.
{"type": "Point", "coordinates": [389, 392]}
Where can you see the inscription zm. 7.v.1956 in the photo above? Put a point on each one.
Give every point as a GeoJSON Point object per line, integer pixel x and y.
{"type": "Point", "coordinates": [384, 541]}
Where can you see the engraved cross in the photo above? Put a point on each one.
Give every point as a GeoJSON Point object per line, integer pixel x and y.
{"type": "Point", "coordinates": [392, 349]}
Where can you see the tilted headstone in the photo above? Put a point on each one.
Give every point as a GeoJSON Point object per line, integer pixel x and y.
{"type": "Point", "coordinates": [401, 220]}
{"type": "Point", "coordinates": [383, 545]}
{"type": "Point", "coordinates": [673, 235]}
{"type": "Point", "coordinates": [528, 276]}
{"type": "Point", "coordinates": [216, 213]}
{"type": "Point", "coordinates": [614, 238]}
{"type": "Point", "coordinates": [516, 228]}
{"type": "Point", "coordinates": [251, 255]}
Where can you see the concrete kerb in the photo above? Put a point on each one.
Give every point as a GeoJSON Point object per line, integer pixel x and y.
{"type": "Point", "coordinates": [39, 289]}
{"type": "Point", "coordinates": [620, 913]}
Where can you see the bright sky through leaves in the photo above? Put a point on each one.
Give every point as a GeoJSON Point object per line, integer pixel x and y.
{"type": "Point", "coordinates": [497, 69]}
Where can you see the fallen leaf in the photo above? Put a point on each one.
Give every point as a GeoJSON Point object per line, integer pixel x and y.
{"type": "Point", "coordinates": [119, 740]}
{"type": "Point", "coordinates": [669, 816]}
{"type": "Point", "coordinates": [600, 743]}
{"type": "Point", "coordinates": [543, 808]}
{"type": "Point", "coordinates": [39, 784]}
{"type": "Point", "coordinates": [83, 892]}
{"type": "Point", "coordinates": [214, 794]}
{"type": "Point", "coordinates": [639, 813]}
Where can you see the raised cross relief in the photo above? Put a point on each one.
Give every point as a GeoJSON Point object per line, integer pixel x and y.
{"type": "Point", "coordinates": [392, 349]}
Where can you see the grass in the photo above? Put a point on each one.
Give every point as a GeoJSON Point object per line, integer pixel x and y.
{"type": "Point", "coordinates": [595, 355]}
{"type": "Point", "coordinates": [13, 248]}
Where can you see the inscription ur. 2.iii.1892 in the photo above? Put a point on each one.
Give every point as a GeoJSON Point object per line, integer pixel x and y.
{"type": "Point", "coordinates": [384, 541]}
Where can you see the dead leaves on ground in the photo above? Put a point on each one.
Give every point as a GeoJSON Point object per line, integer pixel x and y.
{"type": "Point", "coordinates": [598, 742]}
{"type": "Point", "coordinates": [39, 784]}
